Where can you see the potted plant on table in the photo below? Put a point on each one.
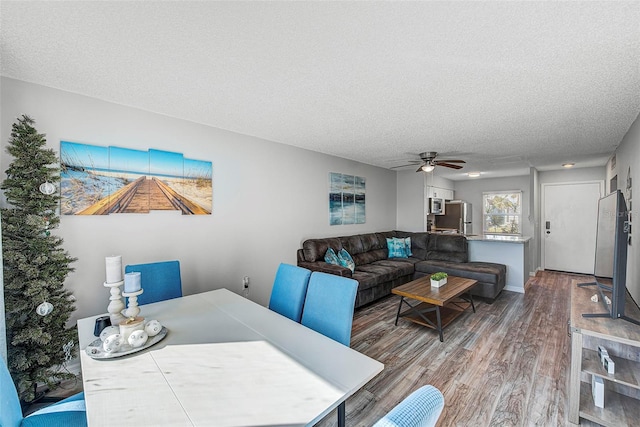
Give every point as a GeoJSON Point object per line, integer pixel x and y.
{"type": "Point", "coordinates": [438, 279]}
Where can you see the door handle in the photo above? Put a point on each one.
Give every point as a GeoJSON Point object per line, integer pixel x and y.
{"type": "Point", "coordinates": [548, 225]}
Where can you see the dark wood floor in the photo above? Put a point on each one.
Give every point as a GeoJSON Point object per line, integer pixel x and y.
{"type": "Point", "coordinates": [505, 365]}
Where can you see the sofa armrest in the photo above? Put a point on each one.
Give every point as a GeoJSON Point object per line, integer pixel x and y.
{"type": "Point", "coordinates": [325, 267]}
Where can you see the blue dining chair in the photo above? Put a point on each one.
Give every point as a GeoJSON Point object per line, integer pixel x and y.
{"type": "Point", "coordinates": [289, 291]}
{"type": "Point", "coordinates": [422, 408]}
{"type": "Point", "coordinates": [69, 412]}
{"type": "Point", "coordinates": [159, 280]}
{"type": "Point", "coordinates": [329, 304]}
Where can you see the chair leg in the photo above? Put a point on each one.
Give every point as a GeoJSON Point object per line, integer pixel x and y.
{"type": "Point", "coordinates": [341, 414]}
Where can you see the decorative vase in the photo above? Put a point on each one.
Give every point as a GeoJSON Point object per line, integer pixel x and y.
{"type": "Point", "coordinates": [438, 283]}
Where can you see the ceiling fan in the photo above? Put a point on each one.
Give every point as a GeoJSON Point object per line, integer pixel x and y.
{"type": "Point", "coordinates": [429, 162]}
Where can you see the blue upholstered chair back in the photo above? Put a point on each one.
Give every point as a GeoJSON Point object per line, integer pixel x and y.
{"type": "Point", "coordinates": [70, 412]}
{"type": "Point", "coordinates": [328, 307]}
{"type": "Point", "coordinates": [10, 411]}
{"type": "Point", "coordinates": [289, 291]}
{"type": "Point", "coordinates": [159, 280]}
{"type": "Point", "coordinates": [422, 408]}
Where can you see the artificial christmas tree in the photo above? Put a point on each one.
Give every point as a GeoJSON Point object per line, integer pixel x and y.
{"type": "Point", "coordinates": [37, 307]}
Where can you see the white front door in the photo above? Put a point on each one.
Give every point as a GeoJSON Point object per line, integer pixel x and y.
{"type": "Point", "coordinates": [569, 222]}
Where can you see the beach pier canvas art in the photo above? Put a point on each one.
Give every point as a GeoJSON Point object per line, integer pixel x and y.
{"type": "Point", "coordinates": [103, 180]}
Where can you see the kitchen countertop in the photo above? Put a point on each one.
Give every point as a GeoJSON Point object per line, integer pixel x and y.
{"type": "Point", "coordinates": [496, 238]}
{"type": "Point", "coordinates": [483, 237]}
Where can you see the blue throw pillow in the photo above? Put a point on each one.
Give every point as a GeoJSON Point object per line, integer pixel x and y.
{"type": "Point", "coordinates": [345, 260]}
{"type": "Point", "coordinates": [407, 246]}
{"type": "Point", "coordinates": [396, 248]}
{"type": "Point", "coordinates": [331, 257]}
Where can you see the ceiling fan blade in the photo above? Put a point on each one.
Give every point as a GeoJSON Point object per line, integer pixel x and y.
{"type": "Point", "coordinates": [449, 165]}
{"type": "Point", "coordinates": [450, 161]}
{"type": "Point", "coordinates": [420, 169]}
{"type": "Point", "coordinates": [411, 163]}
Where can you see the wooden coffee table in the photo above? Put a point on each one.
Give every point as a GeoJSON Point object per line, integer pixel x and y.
{"type": "Point", "coordinates": [444, 303]}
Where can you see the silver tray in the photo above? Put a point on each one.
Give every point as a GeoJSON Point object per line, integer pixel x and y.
{"type": "Point", "coordinates": [95, 350]}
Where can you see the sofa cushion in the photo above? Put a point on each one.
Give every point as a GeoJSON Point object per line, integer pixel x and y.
{"type": "Point", "coordinates": [369, 242]}
{"type": "Point", "coordinates": [382, 270]}
{"type": "Point", "coordinates": [400, 264]}
{"type": "Point", "coordinates": [369, 257]}
{"type": "Point", "coordinates": [366, 280]}
{"type": "Point", "coordinates": [485, 272]}
{"type": "Point", "coordinates": [314, 249]}
{"type": "Point", "coordinates": [353, 244]}
{"type": "Point", "coordinates": [446, 247]}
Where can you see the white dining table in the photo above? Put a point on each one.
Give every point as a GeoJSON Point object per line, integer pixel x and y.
{"type": "Point", "coordinates": [226, 361]}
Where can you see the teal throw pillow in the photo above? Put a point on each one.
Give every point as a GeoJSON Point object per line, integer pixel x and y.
{"type": "Point", "coordinates": [345, 260]}
{"type": "Point", "coordinates": [331, 257]}
{"type": "Point", "coordinates": [399, 248]}
{"type": "Point", "coordinates": [407, 246]}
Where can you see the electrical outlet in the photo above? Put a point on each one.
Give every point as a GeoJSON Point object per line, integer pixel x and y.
{"type": "Point", "coordinates": [245, 286]}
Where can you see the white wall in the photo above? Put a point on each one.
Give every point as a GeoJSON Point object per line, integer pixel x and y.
{"type": "Point", "coordinates": [411, 198]}
{"type": "Point", "coordinates": [573, 175]}
{"type": "Point", "coordinates": [628, 160]}
{"type": "Point", "coordinates": [411, 212]}
{"type": "Point", "coordinates": [267, 197]}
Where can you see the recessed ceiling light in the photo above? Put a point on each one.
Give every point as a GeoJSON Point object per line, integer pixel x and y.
{"type": "Point", "coordinates": [568, 165]}
{"type": "Point", "coordinates": [473, 174]}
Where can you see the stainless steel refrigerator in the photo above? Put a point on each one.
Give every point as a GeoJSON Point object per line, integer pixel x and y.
{"type": "Point", "coordinates": [457, 215]}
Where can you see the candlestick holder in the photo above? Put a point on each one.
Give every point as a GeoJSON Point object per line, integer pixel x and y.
{"type": "Point", "coordinates": [115, 305]}
{"type": "Point", "coordinates": [132, 307]}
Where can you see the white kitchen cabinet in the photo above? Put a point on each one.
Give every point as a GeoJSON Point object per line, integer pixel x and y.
{"type": "Point", "coordinates": [441, 193]}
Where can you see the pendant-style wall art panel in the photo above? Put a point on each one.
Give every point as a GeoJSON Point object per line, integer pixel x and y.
{"type": "Point", "coordinates": [346, 199]}
{"type": "Point", "coordinates": [103, 180]}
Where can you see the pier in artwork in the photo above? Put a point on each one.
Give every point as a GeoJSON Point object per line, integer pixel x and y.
{"type": "Point", "coordinates": [143, 195]}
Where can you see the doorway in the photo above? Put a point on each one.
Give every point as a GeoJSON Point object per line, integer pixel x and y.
{"type": "Point", "coordinates": [569, 223]}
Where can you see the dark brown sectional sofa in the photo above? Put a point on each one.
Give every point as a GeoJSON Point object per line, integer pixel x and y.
{"type": "Point", "coordinates": [377, 274]}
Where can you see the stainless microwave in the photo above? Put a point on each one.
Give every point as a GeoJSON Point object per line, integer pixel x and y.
{"type": "Point", "coordinates": [436, 206]}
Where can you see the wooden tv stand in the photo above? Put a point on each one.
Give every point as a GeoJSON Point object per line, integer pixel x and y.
{"type": "Point", "coordinates": [622, 340]}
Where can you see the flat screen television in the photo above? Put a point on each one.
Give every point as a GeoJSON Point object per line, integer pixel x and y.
{"type": "Point", "coordinates": [610, 269]}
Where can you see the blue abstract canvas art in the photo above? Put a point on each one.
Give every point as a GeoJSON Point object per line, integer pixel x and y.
{"type": "Point", "coordinates": [346, 199]}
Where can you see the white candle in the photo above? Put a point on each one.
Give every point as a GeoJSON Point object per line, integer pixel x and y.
{"type": "Point", "coordinates": [114, 268]}
{"type": "Point", "coordinates": [132, 282]}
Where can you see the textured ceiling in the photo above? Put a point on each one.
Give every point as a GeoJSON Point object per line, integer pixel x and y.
{"type": "Point", "coordinates": [502, 85]}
